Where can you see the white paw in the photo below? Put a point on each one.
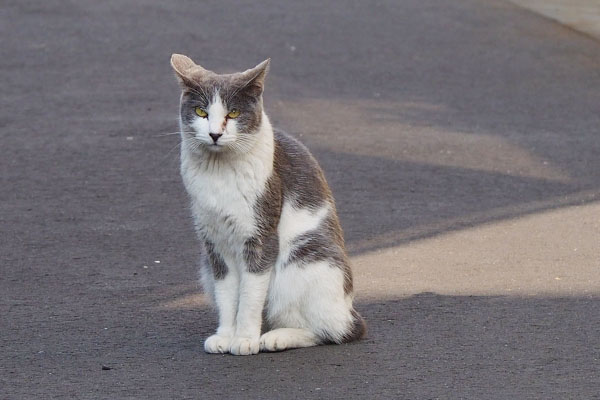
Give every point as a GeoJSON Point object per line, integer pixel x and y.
{"type": "Point", "coordinates": [217, 344]}
{"type": "Point", "coordinates": [273, 341]}
{"type": "Point", "coordinates": [243, 346]}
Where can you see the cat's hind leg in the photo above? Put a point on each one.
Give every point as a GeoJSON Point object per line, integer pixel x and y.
{"type": "Point", "coordinates": [307, 307]}
{"type": "Point", "coordinates": [287, 338]}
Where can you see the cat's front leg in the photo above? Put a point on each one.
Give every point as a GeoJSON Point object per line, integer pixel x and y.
{"type": "Point", "coordinates": [260, 254]}
{"type": "Point", "coordinates": [226, 298]}
{"type": "Point", "coordinates": [253, 292]}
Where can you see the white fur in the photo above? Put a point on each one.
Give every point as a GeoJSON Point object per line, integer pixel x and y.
{"type": "Point", "coordinates": [310, 297]}
{"type": "Point", "coordinates": [225, 292]}
{"type": "Point", "coordinates": [218, 344]}
{"type": "Point", "coordinates": [295, 222]}
{"type": "Point", "coordinates": [253, 290]}
{"type": "Point", "coordinates": [287, 338]}
{"type": "Point", "coordinates": [216, 115]}
{"type": "Point", "coordinates": [223, 191]}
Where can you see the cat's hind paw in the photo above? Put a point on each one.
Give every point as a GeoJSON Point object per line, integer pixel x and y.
{"type": "Point", "coordinates": [287, 338]}
{"type": "Point", "coordinates": [217, 344]}
{"type": "Point", "coordinates": [273, 341]}
{"type": "Point", "coordinates": [242, 346]}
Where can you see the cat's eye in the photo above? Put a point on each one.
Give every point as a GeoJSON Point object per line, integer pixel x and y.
{"type": "Point", "coordinates": [201, 112]}
{"type": "Point", "coordinates": [233, 113]}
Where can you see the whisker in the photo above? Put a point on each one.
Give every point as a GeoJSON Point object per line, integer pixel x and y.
{"type": "Point", "coordinates": [173, 133]}
{"type": "Point", "coordinates": [172, 148]}
{"type": "Point", "coordinates": [184, 141]}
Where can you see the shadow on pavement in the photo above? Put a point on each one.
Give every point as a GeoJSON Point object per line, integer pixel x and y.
{"type": "Point", "coordinates": [422, 346]}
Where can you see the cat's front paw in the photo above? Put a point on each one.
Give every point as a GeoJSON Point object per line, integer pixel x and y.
{"type": "Point", "coordinates": [243, 346]}
{"type": "Point", "coordinates": [217, 344]}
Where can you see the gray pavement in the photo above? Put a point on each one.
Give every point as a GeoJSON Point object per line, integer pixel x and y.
{"type": "Point", "coordinates": [461, 140]}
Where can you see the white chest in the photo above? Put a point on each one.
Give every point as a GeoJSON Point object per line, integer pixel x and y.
{"type": "Point", "coordinates": [223, 203]}
{"type": "Point", "coordinates": [223, 197]}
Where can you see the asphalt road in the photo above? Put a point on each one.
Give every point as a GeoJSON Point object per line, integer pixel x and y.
{"type": "Point", "coordinates": [431, 119]}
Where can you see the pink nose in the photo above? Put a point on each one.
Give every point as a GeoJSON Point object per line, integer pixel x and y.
{"type": "Point", "coordinates": [215, 136]}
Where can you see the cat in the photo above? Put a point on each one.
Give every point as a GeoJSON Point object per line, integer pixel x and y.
{"type": "Point", "coordinates": [265, 217]}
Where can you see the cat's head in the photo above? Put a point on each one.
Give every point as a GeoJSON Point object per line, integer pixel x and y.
{"type": "Point", "coordinates": [219, 113]}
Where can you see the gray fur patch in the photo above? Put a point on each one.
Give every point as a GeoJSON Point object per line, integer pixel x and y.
{"type": "Point", "coordinates": [302, 180]}
{"type": "Point", "coordinates": [315, 246]}
{"type": "Point", "coordinates": [217, 264]}
{"type": "Point", "coordinates": [262, 250]}
{"type": "Point", "coordinates": [356, 331]}
{"type": "Point", "coordinates": [261, 253]}
{"type": "Point", "coordinates": [303, 183]}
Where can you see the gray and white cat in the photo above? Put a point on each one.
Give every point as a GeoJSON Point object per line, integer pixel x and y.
{"type": "Point", "coordinates": [266, 219]}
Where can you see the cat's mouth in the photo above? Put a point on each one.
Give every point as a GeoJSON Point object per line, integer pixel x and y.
{"type": "Point", "coordinates": [215, 147]}
{"type": "Point", "coordinates": [204, 147]}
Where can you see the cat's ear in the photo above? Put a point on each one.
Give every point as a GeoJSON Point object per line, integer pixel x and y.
{"type": "Point", "coordinates": [185, 69]}
{"type": "Point", "coordinates": [254, 78]}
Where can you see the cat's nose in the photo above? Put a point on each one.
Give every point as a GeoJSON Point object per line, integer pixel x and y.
{"type": "Point", "coordinates": [215, 136]}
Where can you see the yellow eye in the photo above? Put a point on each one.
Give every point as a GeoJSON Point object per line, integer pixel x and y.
{"type": "Point", "coordinates": [233, 113]}
{"type": "Point", "coordinates": [201, 112]}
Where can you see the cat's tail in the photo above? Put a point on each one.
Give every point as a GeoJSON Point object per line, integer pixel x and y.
{"type": "Point", "coordinates": [358, 330]}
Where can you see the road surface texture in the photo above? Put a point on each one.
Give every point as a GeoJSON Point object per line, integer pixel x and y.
{"type": "Point", "coordinates": [461, 139]}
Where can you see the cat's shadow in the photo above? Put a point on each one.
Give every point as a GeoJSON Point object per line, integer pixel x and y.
{"type": "Point", "coordinates": [427, 338]}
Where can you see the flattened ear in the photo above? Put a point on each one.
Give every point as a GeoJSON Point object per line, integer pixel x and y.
{"type": "Point", "coordinates": [185, 68]}
{"type": "Point", "coordinates": [254, 79]}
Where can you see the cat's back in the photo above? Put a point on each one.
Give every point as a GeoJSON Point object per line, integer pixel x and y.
{"type": "Point", "coordinates": [302, 179]}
